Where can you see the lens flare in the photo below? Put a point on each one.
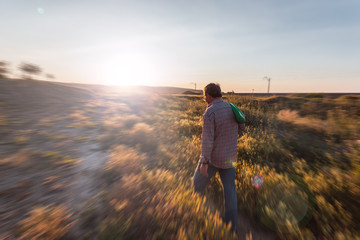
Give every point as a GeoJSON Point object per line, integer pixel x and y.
{"type": "Point", "coordinates": [295, 205]}
{"type": "Point", "coordinates": [41, 10]}
{"type": "Point", "coordinates": [257, 181]}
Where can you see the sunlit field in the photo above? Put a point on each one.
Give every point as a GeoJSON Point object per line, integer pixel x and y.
{"type": "Point", "coordinates": [80, 162]}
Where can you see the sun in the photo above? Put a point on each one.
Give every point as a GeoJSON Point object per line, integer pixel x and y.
{"type": "Point", "coordinates": [130, 69]}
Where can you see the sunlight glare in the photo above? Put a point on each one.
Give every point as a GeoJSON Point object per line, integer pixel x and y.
{"type": "Point", "coordinates": [130, 69]}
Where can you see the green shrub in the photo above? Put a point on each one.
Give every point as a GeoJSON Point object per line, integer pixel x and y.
{"type": "Point", "coordinates": [314, 95]}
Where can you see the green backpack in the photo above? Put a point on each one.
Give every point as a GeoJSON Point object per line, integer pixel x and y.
{"type": "Point", "coordinates": [239, 115]}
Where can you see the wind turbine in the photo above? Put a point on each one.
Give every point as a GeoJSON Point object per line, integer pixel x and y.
{"type": "Point", "coordinates": [268, 79]}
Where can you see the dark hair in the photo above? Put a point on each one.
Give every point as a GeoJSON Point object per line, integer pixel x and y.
{"type": "Point", "coordinates": [213, 90]}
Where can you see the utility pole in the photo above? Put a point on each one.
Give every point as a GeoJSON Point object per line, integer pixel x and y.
{"type": "Point", "coordinates": [194, 84]}
{"type": "Point", "coordinates": [268, 79]}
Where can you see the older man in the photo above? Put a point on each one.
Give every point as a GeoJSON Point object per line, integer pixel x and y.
{"type": "Point", "coordinates": [219, 149]}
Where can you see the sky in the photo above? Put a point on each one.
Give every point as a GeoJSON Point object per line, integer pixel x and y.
{"type": "Point", "coordinates": [302, 46]}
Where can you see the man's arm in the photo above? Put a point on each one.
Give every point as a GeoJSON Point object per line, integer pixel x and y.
{"type": "Point", "coordinates": [207, 137]}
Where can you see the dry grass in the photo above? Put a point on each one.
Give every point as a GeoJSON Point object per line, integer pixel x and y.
{"type": "Point", "coordinates": [293, 117]}
{"type": "Point", "coordinates": [143, 135]}
{"type": "Point", "coordinates": [3, 120]}
{"type": "Point", "coordinates": [123, 160]}
{"type": "Point", "coordinates": [20, 140]}
{"type": "Point", "coordinates": [154, 204]}
{"type": "Point", "coordinates": [305, 148]}
{"type": "Point", "coordinates": [45, 222]}
{"type": "Point", "coordinates": [20, 158]}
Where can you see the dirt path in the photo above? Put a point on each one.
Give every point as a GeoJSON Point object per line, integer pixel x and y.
{"type": "Point", "coordinates": [250, 230]}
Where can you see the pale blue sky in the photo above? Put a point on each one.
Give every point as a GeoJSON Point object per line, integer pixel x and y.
{"type": "Point", "coordinates": [304, 45]}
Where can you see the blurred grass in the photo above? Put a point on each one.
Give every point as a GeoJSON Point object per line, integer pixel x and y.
{"type": "Point", "coordinates": [305, 147]}
{"type": "Point", "coordinates": [156, 205]}
{"type": "Point", "coordinates": [46, 222]}
{"type": "Point", "coordinates": [20, 140]}
{"type": "Point", "coordinates": [49, 159]}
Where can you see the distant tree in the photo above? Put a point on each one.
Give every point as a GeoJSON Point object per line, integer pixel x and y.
{"type": "Point", "coordinates": [30, 69]}
{"type": "Point", "coordinates": [3, 69]}
{"type": "Point", "coordinates": [49, 76]}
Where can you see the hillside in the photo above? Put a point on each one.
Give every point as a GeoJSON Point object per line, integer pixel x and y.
{"type": "Point", "coordinates": [103, 89]}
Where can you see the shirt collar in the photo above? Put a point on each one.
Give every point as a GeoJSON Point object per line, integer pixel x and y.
{"type": "Point", "coordinates": [219, 100]}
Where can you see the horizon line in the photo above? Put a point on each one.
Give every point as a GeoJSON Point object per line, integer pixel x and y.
{"type": "Point", "coordinates": [189, 89]}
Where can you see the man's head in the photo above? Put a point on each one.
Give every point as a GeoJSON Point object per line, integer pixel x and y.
{"type": "Point", "coordinates": [212, 91]}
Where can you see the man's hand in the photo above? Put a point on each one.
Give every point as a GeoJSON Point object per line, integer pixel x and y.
{"type": "Point", "coordinates": [203, 169]}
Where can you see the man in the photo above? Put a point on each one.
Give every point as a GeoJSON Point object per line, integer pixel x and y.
{"type": "Point", "coordinates": [219, 149]}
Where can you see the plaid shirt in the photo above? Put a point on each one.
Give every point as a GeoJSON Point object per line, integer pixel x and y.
{"type": "Point", "coordinates": [219, 134]}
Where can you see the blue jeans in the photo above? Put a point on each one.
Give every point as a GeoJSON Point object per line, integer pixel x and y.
{"type": "Point", "coordinates": [227, 177]}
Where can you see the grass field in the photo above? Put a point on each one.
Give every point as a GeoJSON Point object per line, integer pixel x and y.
{"type": "Point", "coordinates": [92, 165]}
